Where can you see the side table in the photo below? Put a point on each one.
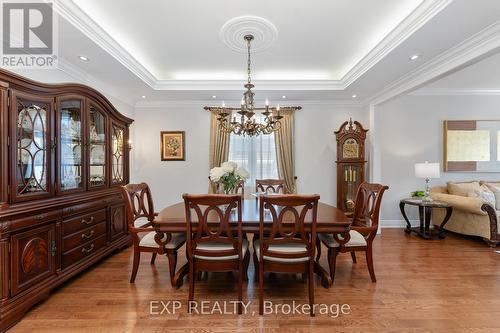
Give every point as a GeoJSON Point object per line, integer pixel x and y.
{"type": "Point", "coordinates": [425, 213]}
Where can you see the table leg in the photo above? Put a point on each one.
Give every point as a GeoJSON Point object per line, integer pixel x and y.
{"type": "Point", "coordinates": [326, 280]}
{"type": "Point", "coordinates": [449, 210]}
{"type": "Point", "coordinates": [179, 275]}
{"type": "Point", "coordinates": [408, 224]}
{"type": "Point", "coordinates": [424, 214]}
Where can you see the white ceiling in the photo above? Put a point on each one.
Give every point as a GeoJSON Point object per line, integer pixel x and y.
{"type": "Point", "coordinates": [325, 49]}
{"type": "Point", "coordinates": [179, 40]}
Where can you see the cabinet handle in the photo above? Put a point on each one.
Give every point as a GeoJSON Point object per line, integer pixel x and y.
{"type": "Point", "coordinates": [89, 221]}
{"type": "Point", "coordinates": [84, 250]}
{"type": "Point", "coordinates": [39, 217]}
{"type": "Point", "coordinates": [89, 235]}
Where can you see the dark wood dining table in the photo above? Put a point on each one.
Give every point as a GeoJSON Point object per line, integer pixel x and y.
{"type": "Point", "coordinates": [329, 220]}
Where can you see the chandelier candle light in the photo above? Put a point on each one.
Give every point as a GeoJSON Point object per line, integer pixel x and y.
{"type": "Point", "coordinates": [247, 124]}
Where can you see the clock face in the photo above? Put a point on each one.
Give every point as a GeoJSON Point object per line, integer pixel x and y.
{"type": "Point", "coordinates": [350, 149]}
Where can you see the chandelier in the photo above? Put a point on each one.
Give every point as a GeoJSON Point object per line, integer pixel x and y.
{"type": "Point", "coordinates": [245, 123]}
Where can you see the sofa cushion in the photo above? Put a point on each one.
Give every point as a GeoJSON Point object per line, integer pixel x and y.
{"type": "Point", "coordinates": [463, 189]}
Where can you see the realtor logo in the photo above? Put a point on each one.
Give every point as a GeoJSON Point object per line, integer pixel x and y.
{"type": "Point", "coordinates": [28, 34]}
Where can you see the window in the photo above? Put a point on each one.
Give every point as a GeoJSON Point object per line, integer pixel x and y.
{"type": "Point", "coordinates": [256, 154]}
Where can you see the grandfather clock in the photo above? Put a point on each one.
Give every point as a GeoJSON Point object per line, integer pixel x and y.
{"type": "Point", "coordinates": [351, 161]}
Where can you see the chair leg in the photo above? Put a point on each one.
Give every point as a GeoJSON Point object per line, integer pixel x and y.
{"type": "Point", "coordinates": [318, 249]}
{"type": "Point", "coordinates": [135, 267]}
{"type": "Point", "coordinates": [172, 263]}
{"type": "Point", "coordinates": [261, 288]}
{"type": "Point", "coordinates": [353, 256]}
{"type": "Point", "coordinates": [369, 262]}
{"type": "Point", "coordinates": [246, 263]}
{"type": "Point", "coordinates": [153, 258]}
{"type": "Point", "coordinates": [256, 266]}
{"type": "Point", "coordinates": [311, 290]}
{"type": "Point", "coordinates": [240, 285]}
{"type": "Point", "coordinates": [191, 285]}
{"type": "Point", "coordinates": [332, 261]}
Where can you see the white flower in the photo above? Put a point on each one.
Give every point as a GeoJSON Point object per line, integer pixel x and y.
{"type": "Point", "coordinates": [243, 173]}
{"type": "Point", "coordinates": [228, 166]}
{"type": "Point", "coordinates": [216, 173]}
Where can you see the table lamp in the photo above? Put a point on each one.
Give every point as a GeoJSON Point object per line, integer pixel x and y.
{"type": "Point", "coordinates": [427, 171]}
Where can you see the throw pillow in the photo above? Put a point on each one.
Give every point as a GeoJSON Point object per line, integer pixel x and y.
{"type": "Point", "coordinates": [495, 187]}
{"type": "Point", "coordinates": [485, 196]}
{"type": "Point", "coordinates": [462, 189]}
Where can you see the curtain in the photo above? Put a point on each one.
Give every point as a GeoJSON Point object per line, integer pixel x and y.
{"type": "Point", "coordinates": [285, 151]}
{"type": "Point", "coordinates": [257, 154]}
{"type": "Point", "coordinates": [219, 147]}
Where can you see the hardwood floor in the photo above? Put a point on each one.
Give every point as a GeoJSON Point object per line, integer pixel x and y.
{"type": "Point", "coordinates": [450, 285]}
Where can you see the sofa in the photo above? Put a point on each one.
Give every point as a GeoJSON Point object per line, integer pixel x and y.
{"type": "Point", "coordinates": [476, 209]}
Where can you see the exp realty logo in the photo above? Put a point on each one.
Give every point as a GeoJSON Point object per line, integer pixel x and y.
{"type": "Point", "coordinates": [29, 37]}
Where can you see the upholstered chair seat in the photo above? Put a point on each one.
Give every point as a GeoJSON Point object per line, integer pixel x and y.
{"type": "Point", "coordinates": [283, 248]}
{"type": "Point", "coordinates": [356, 239]}
{"type": "Point", "coordinates": [217, 247]}
{"type": "Point", "coordinates": [149, 240]}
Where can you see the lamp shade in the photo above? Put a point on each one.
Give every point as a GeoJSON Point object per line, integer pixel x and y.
{"type": "Point", "coordinates": [427, 170]}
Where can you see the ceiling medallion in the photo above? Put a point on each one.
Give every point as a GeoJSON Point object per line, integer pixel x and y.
{"type": "Point", "coordinates": [247, 124]}
{"type": "Point", "coordinates": [263, 31]}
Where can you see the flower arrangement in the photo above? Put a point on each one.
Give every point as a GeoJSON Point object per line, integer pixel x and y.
{"type": "Point", "coordinates": [229, 175]}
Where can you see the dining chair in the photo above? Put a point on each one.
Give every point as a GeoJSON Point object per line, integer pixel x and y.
{"type": "Point", "coordinates": [270, 185]}
{"type": "Point", "coordinates": [287, 248]}
{"type": "Point", "coordinates": [212, 243]}
{"type": "Point", "coordinates": [365, 219]}
{"type": "Point", "coordinates": [139, 206]}
{"type": "Point", "coordinates": [239, 189]}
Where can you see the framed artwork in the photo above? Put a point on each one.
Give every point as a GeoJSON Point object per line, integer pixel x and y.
{"type": "Point", "coordinates": [172, 146]}
{"type": "Point", "coordinates": [471, 145]}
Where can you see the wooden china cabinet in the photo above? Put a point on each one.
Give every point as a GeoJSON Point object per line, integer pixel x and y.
{"type": "Point", "coordinates": [351, 162]}
{"type": "Point", "coordinates": [63, 155]}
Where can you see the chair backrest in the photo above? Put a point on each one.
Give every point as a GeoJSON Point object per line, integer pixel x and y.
{"type": "Point", "coordinates": [289, 213]}
{"type": "Point", "coordinates": [367, 206]}
{"type": "Point", "coordinates": [239, 189]}
{"type": "Point", "coordinates": [270, 185]}
{"type": "Point", "coordinates": [138, 203]}
{"type": "Point", "coordinates": [211, 223]}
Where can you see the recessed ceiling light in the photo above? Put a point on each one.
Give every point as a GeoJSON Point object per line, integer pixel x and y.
{"type": "Point", "coordinates": [83, 58]}
{"type": "Point", "coordinates": [354, 96]}
{"type": "Point", "coordinates": [283, 96]}
{"type": "Point", "coordinates": [414, 57]}
{"type": "Point", "coordinates": [214, 97]}
{"type": "Point", "coordinates": [143, 96]}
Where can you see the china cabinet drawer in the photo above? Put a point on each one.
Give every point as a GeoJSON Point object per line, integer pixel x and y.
{"type": "Point", "coordinates": [85, 207]}
{"type": "Point", "coordinates": [84, 236]}
{"type": "Point", "coordinates": [81, 222]}
{"type": "Point", "coordinates": [37, 218]}
{"type": "Point", "coordinates": [80, 253]}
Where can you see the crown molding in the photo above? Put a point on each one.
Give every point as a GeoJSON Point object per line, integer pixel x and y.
{"type": "Point", "coordinates": [455, 92]}
{"type": "Point", "coordinates": [202, 103]}
{"type": "Point", "coordinates": [422, 14]}
{"type": "Point", "coordinates": [480, 45]}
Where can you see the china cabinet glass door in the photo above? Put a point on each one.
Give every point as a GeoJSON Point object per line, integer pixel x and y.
{"type": "Point", "coordinates": [97, 148]}
{"type": "Point", "coordinates": [117, 154]}
{"type": "Point", "coordinates": [33, 148]}
{"type": "Point", "coordinates": [71, 145]}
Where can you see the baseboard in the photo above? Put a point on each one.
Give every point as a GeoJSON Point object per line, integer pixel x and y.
{"type": "Point", "coordinates": [397, 223]}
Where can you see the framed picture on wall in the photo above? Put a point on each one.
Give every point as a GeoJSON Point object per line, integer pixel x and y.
{"type": "Point", "coordinates": [172, 146]}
